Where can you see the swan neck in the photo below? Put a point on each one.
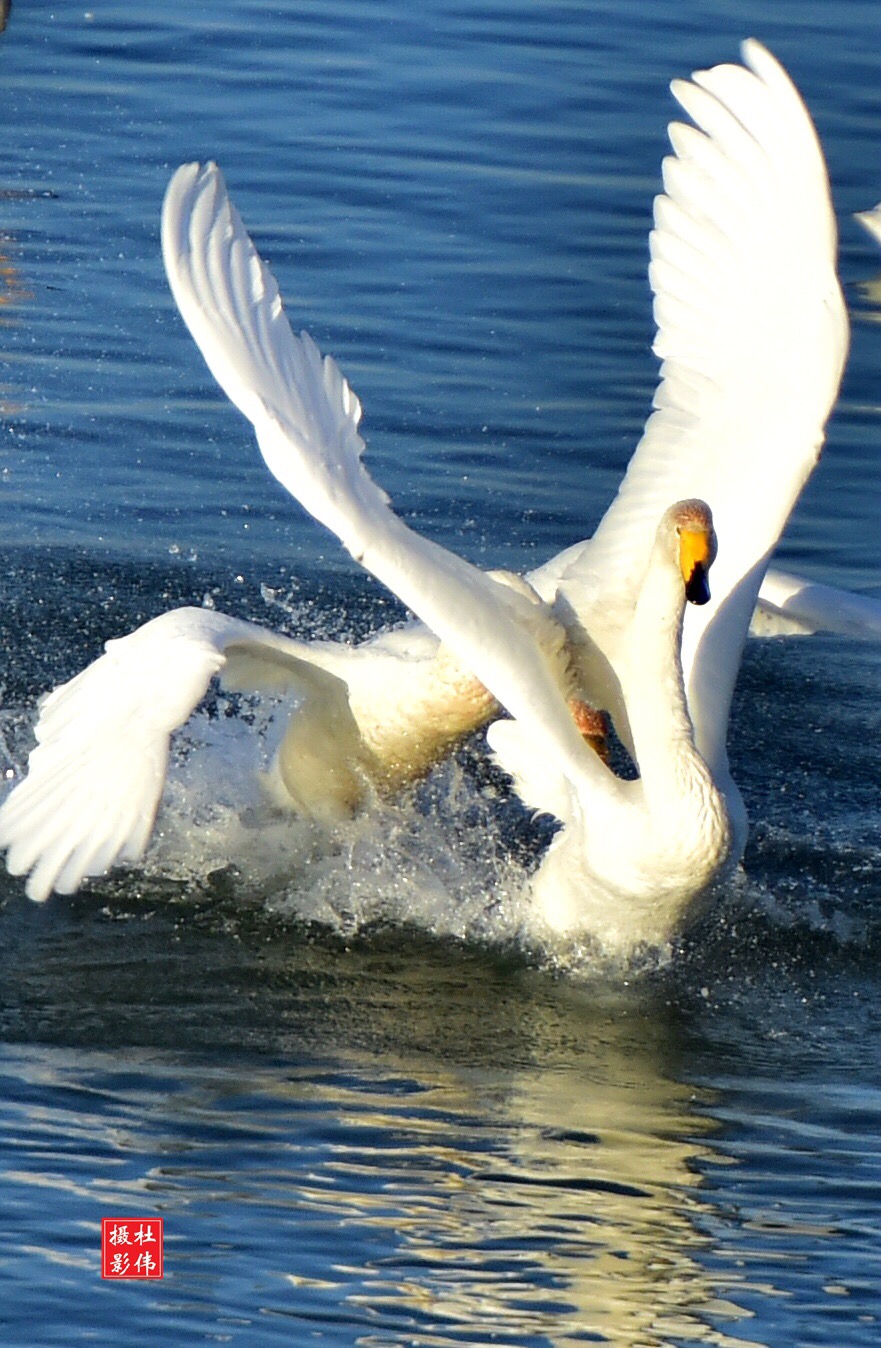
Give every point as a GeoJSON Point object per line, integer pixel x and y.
{"type": "Point", "coordinates": [660, 725]}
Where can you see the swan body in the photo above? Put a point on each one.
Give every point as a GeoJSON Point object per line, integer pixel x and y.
{"type": "Point", "coordinates": [626, 868]}
{"type": "Point", "coordinates": [752, 335]}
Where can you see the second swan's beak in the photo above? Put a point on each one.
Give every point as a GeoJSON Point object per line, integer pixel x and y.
{"type": "Point", "coordinates": [697, 550]}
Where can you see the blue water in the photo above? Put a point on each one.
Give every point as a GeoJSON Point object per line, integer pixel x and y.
{"type": "Point", "coordinates": [367, 1115]}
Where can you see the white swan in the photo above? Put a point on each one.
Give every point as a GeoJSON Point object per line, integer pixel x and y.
{"type": "Point", "coordinates": [753, 334]}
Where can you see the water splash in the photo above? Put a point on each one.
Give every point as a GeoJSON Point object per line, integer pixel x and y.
{"type": "Point", "coordinates": [450, 859]}
{"type": "Point", "coordinates": [435, 859]}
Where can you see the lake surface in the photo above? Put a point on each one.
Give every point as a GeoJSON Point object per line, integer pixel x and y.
{"type": "Point", "coordinates": [367, 1114]}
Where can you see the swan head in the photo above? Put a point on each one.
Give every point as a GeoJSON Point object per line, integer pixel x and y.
{"type": "Point", "coordinates": [689, 527]}
{"type": "Point", "coordinates": [593, 725]}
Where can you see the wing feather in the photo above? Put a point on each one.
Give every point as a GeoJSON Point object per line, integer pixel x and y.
{"type": "Point", "coordinates": [96, 775]}
{"type": "Point", "coordinates": [789, 605]}
{"type": "Point", "coordinates": [306, 418]}
{"type": "Point", "coordinates": [752, 336]}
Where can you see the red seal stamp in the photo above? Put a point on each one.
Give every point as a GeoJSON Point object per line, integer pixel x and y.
{"type": "Point", "coordinates": [131, 1247]}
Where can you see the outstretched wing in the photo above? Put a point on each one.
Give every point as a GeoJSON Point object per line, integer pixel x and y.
{"type": "Point", "coordinates": [306, 420]}
{"type": "Point", "coordinates": [96, 775]}
{"type": "Point", "coordinates": [752, 334]}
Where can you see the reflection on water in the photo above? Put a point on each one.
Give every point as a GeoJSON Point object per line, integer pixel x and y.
{"type": "Point", "coordinates": [576, 1222]}
{"type": "Point", "coordinates": [870, 294]}
{"type": "Point", "coordinates": [550, 1202]}
{"type": "Point", "coordinates": [11, 289]}
{"type": "Point", "coordinates": [420, 1143]}
{"type": "Point", "coordinates": [12, 293]}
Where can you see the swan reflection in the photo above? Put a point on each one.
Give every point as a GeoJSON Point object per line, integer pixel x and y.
{"type": "Point", "coordinates": [537, 1203]}
{"type": "Point", "coordinates": [13, 292]}
{"type": "Point", "coordinates": [549, 1195]}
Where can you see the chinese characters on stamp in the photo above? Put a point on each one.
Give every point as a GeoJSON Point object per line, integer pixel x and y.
{"type": "Point", "coordinates": [131, 1247]}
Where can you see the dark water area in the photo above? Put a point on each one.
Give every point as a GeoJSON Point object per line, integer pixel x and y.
{"type": "Point", "coordinates": [367, 1113]}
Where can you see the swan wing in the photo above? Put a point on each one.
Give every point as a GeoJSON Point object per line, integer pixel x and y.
{"type": "Point", "coordinates": [791, 606]}
{"type": "Point", "coordinates": [96, 775]}
{"type": "Point", "coordinates": [752, 336]}
{"type": "Point", "coordinates": [306, 420]}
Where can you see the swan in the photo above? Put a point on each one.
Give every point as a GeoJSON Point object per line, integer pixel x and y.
{"type": "Point", "coordinates": [368, 719]}
{"type": "Point", "coordinates": [752, 334]}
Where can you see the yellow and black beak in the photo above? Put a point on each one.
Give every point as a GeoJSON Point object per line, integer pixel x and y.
{"type": "Point", "coordinates": [697, 550]}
